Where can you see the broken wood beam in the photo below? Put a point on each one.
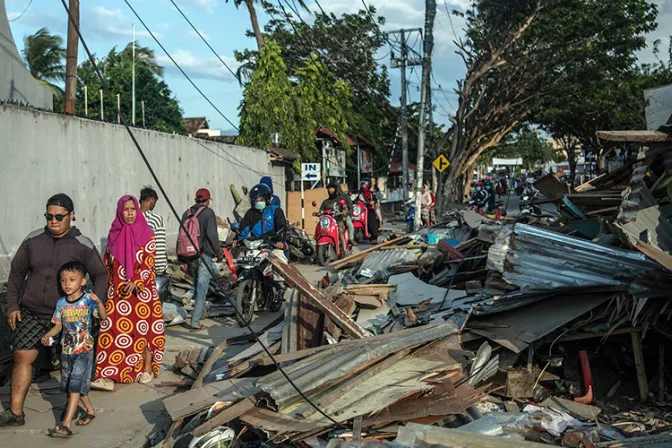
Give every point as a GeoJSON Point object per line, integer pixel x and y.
{"type": "Point", "coordinates": [294, 279]}
{"type": "Point", "coordinates": [639, 365]}
{"type": "Point", "coordinates": [232, 412]}
{"type": "Point", "coordinates": [363, 254]}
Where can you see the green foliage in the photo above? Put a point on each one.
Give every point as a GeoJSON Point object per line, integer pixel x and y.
{"type": "Point", "coordinates": [272, 104]}
{"type": "Point", "coordinates": [347, 45]}
{"type": "Point", "coordinates": [162, 110]}
{"type": "Point", "coordinates": [528, 145]}
{"type": "Point", "coordinates": [45, 57]}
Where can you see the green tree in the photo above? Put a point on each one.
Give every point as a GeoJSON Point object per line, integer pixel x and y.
{"type": "Point", "coordinates": [518, 53]}
{"type": "Point", "coordinates": [144, 56]}
{"type": "Point", "coordinates": [44, 55]}
{"type": "Point", "coordinates": [162, 110]}
{"type": "Point", "coordinates": [528, 145]}
{"type": "Point", "coordinates": [271, 103]}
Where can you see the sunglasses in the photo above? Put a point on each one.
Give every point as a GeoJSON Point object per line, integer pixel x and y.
{"type": "Point", "coordinates": [59, 218]}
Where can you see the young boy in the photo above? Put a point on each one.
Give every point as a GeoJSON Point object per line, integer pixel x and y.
{"type": "Point", "coordinates": [74, 315]}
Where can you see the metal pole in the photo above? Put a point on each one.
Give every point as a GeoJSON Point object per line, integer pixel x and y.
{"type": "Point", "coordinates": [118, 108]}
{"type": "Point", "coordinates": [86, 101]}
{"type": "Point", "coordinates": [133, 87]}
{"type": "Point", "coordinates": [359, 168]}
{"type": "Point", "coordinates": [303, 208]}
{"type": "Point", "coordinates": [404, 119]}
{"type": "Point", "coordinates": [102, 112]}
{"type": "Point", "coordinates": [71, 60]}
{"type": "Point", "coordinates": [430, 13]}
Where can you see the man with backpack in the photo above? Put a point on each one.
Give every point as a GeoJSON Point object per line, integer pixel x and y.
{"type": "Point", "coordinates": [198, 245]}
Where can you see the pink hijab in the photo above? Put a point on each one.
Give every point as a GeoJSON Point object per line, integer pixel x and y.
{"type": "Point", "coordinates": [124, 240]}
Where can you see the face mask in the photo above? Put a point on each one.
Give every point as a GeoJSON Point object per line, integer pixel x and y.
{"type": "Point", "coordinates": [478, 188]}
{"type": "Point", "coordinates": [260, 205]}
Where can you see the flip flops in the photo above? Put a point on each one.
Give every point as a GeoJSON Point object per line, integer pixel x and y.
{"type": "Point", "coordinates": [145, 378]}
{"type": "Point", "coordinates": [61, 432]}
{"type": "Point", "coordinates": [84, 421]}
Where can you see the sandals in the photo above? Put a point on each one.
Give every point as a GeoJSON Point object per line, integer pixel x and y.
{"type": "Point", "coordinates": [103, 384]}
{"type": "Point", "coordinates": [145, 378]}
{"type": "Point", "coordinates": [84, 421]}
{"type": "Point", "coordinates": [61, 432]}
{"type": "Point", "coordinates": [194, 329]}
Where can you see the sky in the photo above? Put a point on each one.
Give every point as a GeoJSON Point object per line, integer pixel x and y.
{"type": "Point", "coordinates": [108, 23]}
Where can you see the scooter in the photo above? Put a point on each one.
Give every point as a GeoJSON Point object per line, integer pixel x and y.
{"type": "Point", "coordinates": [257, 286]}
{"type": "Point", "coordinates": [328, 237]}
{"type": "Point", "coordinates": [360, 223]}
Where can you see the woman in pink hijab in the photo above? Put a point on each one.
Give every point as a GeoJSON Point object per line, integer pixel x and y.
{"type": "Point", "coordinates": [131, 342]}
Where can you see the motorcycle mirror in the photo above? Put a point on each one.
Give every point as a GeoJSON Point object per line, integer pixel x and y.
{"type": "Point", "coordinates": [314, 204]}
{"type": "Point", "coordinates": [342, 202]}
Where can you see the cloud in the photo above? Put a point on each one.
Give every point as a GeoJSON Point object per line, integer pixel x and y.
{"type": "Point", "coordinates": [194, 34]}
{"type": "Point", "coordinates": [199, 67]}
{"type": "Point", "coordinates": [106, 23]}
{"type": "Point", "coordinates": [205, 5]}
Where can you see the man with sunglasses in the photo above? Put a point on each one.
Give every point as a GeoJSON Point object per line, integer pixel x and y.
{"type": "Point", "coordinates": [29, 307]}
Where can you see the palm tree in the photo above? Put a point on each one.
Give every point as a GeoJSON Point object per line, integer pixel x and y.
{"type": "Point", "coordinates": [143, 56]}
{"type": "Point", "coordinates": [45, 57]}
{"type": "Point", "coordinates": [253, 17]}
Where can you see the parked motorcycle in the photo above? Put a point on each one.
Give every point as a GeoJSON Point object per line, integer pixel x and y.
{"type": "Point", "coordinates": [257, 287]}
{"type": "Point", "coordinates": [328, 237]}
{"type": "Point", "coordinates": [359, 217]}
{"type": "Point", "coordinates": [301, 247]}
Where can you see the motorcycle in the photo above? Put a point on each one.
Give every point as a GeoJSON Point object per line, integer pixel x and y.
{"type": "Point", "coordinates": [328, 237]}
{"type": "Point", "coordinates": [359, 218]}
{"type": "Point", "coordinates": [301, 247]}
{"type": "Point", "coordinates": [257, 286]}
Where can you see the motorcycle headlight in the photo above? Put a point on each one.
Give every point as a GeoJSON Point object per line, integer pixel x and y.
{"type": "Point", "coordinates": [357, 210]}
{"type": "Point", "coordinates": [253, 244]}
{"type": "Point", "coordinates": [324, 223]}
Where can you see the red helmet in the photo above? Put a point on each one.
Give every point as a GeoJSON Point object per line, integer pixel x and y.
{"type": "Point", "coordinates": [479, 183]}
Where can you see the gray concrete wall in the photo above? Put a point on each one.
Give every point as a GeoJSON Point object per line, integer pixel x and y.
{"type": "Point", "coordinates": [16, 82]}
{"type": "Point", "coordinates": [95, 163]}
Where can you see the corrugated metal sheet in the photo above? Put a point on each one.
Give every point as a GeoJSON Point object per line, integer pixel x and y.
{"type": "Point", "coordinates": [385, 259]}
{"type": "Point", "coordinates": [328, 367]}
{"type": "Point", "coordinates": [536, 259]}
{"type": "Point", "coordinates": [650, 226]}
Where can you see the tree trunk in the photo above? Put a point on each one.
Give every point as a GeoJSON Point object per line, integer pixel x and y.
{"type": "Point", "coordinates": [255, 23]}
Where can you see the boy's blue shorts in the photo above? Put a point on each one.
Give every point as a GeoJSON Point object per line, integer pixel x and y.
{"type": "Point", "coordinates": [76, 373]}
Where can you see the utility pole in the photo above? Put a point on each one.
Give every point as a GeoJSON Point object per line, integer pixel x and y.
{"type": "Point", "coordinates": [401, 63]}
{"type": "Point", "coordinates": [142, 103]}
{"type": "Point", "coordinates": [71, 60]}
{"type": "Point", "coordinates": [86, 100]}
{"type": "Point", "coordinates": [102, 111]}
{"type": "Point", "coordinates": [428, 45]}
{"type": "Point", "coordinates": [133, 87]}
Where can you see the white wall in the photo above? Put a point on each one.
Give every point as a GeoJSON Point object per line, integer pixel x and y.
{"type": "Point", "coordinates": [95, 163]}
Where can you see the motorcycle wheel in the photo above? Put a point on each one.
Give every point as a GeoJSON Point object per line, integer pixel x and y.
{"type": "Point", "coordinates": [245, 302]}
{"type": "Point", "coordinates": [359, 235]}
{"type": "Point", "coordinates": [409, 228]}
{"type": "Point", "coordinates": [324, 253]}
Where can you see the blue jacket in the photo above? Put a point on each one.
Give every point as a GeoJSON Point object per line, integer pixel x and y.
{"type": "Point", "coordinates": [270, 221]}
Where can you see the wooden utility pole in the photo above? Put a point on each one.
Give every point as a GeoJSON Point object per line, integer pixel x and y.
{"type": "Point", "coordinates": [428, 45]}
{"type": "Point", "coordinates": [71, 60]}
{"type": "Point", "coordinates": [401, 63]}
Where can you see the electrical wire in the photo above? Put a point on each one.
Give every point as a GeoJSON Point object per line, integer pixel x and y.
{"type": "Point", "coordinates": [24, 11]}
{"type": "Point", "coordinates": [205, 41]}
{"type": "Point", "coordinates": [178, 66]}
{"type": "Point", "coordinates": [177, 216]}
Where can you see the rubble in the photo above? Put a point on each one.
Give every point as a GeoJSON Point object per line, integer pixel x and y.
{"type": "Point", "coordinates": [524, 331]}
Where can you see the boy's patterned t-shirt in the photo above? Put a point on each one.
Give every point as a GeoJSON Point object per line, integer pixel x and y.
{"type": "Point", "coordinates": [76, 318]}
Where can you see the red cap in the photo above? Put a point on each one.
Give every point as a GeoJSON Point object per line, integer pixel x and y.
{"type": "Point", "coordinates": [203, 194]}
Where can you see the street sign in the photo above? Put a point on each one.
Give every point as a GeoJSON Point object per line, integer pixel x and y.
{"type": "Point", "coordinates": [441, 163]}
{"type": "Point", "coordinates": [311, 171]}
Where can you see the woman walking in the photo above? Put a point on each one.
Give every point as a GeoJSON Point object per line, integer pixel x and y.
{"type": "Point", "coordinates": [131, 342]}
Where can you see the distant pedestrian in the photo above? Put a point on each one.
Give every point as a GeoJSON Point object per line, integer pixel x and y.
{"type": "Point", "coordinates": [268, 181]}
{"type": "Point", "coordinates": [37, 263]}
{"type": "Point", "coordinates": [148, 199]}
{"type": "Point", "coordinates": [202, 263]}
{"type": "Point", "coordinates": [376, 191]}
{"type": "Point", "coordinates": [73, 319]}
{"type": "Point", "coordinates": [131, 343]}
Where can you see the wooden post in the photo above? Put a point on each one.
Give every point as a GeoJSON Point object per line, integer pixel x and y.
{"type": "Point", "coordinates": [639, 364]}
{"type": "Point", "coordinates": [102, 111]}
{"type": "Point", "coordinates": [118, 108]}
{"type": "Point", "coordinates": [530, 356]}
{"type": "Point", "coordinates": [86, 100]}
{"type": "Point", "coordinates": [661, 371]}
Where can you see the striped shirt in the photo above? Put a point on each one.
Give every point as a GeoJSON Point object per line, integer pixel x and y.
{"type": "Point", "coordinates": [155, 222]}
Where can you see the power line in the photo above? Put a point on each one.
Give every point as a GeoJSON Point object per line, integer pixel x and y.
{"type": "Point", "coordinates": [178, 66]}
{"type": "Point", "coordinates": [204, 40]}
{"type": "Point", "coordinates": [174, 211]}
{"type": "Point", "coordinates": [24, 11]}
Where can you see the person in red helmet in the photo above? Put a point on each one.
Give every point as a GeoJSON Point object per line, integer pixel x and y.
{"type": "Point", "coordinates": [480, 196]}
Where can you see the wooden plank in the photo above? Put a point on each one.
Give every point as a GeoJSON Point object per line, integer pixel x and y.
{"type": "Point", "coordinates": [193, 401]}
{"type": "Point", "coordinates": [295, 280]}
{"type": "Point", "coordinates": [207, 367]}
{"type": "Point", "coordinates": [363, 254]}
{"type": "Point", "coordinates": [657, 255]}
{"type": "Point", "coordinates": [357, 429]}
{"type": "Point", "coordinates": [232, 412]}
{"type": "Point", "coordinates": [309, 325]}
{"type": "Point", "coordinates": [348, 306]}
{"type": "Point", "coordinates": [422, 435]}
{"type": "Point", "coordinates": [634, 136]}
{"type": "Point", "coordinates": [371, 302]}
{"type": "Point", "coordinates": [275, 421]}
{"type": "Point", "coordinates": [639, 365]}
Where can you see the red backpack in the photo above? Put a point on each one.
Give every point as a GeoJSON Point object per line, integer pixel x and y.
{"type": "Point", "coordinates": [190, 229]}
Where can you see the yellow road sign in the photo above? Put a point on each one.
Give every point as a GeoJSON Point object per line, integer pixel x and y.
{"type": "Point", "coordinates": [441, 163]}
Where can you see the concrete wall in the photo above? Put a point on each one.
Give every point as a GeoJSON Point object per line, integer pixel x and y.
{"type": "Point", "coordinates": [16, 82]}
{"type": "Point", "coordinates": [96, 163]}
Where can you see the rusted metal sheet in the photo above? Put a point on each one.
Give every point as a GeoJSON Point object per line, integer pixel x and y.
{"type": "Point", "coordinates": [295, 280]}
